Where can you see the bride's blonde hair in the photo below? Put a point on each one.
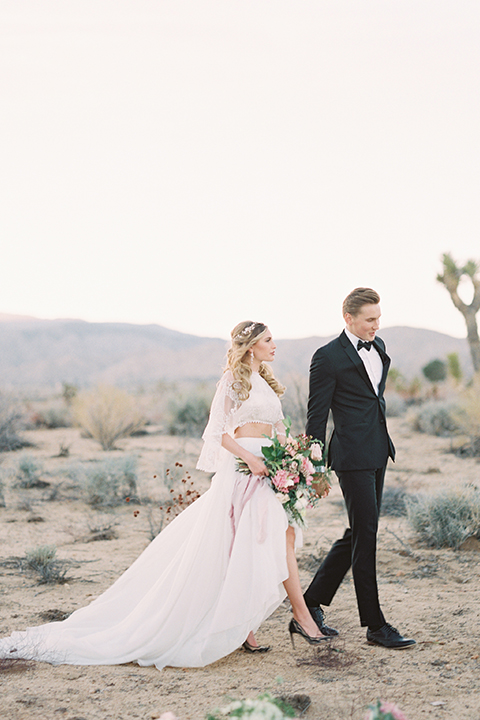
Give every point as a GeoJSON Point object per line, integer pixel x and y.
{"type": "Point", "coordinates": [244, 336]}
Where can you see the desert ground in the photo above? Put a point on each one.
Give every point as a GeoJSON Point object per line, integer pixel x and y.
{"type": "Point", "coordinates": [431, 595]}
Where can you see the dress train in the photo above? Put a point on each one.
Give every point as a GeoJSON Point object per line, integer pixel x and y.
{"type": "Point", "coordinates": [212, 575]}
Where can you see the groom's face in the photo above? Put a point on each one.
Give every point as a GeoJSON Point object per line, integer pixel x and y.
{"type": "Point", "coordinates": [365, 323]}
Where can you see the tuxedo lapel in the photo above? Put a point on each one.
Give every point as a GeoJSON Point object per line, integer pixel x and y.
{"type": "Point", "coordinates": [386, 365]}
{"type": "Point", "coordinates": [356, 359]}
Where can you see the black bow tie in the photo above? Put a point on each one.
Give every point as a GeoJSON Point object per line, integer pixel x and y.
{"type": "Point", "coordinates": [364, 344]}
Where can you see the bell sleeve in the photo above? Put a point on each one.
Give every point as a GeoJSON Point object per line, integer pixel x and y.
{"type": "Point", "coordinates": [224, 405]}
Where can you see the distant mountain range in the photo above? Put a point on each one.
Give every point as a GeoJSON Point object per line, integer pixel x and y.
{"type": "Point", "coordinates": [45, 353]}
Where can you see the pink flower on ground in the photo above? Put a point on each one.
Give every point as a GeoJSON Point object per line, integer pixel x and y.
{"type": "Point", "coordinates": [316, 452]}
{"type": "Point", "coordinates": [383, 709]}
{"type": "Point", "coordinates": [168, 716]}
{"type": "Point", "coordinates": [393, 710]}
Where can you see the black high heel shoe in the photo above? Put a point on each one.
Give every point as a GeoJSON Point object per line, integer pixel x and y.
{"type": "Point", "coordinates": [296, 628]}
{"type": "Point", "coordinates": [255, 648]}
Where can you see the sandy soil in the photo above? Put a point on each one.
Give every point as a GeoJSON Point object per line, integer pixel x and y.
{"type": "Point", "coordinates": [431, 595]}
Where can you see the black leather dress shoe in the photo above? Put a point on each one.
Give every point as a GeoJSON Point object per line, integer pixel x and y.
{"type": "Point", "coordinates": [389, 637]}
{"type": "Point", "coordinates": [319, 617]}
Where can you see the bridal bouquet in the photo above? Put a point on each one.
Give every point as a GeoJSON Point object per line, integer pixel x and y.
{"type": "Point", "coordinates": [297, 472]}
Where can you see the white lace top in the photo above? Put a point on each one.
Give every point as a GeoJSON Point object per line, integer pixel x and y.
{"type": "Point", "coordinates": [228, 413]}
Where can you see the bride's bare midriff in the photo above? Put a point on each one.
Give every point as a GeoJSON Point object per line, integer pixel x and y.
{"type": "Point", "coordinates": [256, 430]}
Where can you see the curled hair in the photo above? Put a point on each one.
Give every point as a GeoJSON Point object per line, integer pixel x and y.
{"type": "Point", "coordinates": [244, 336]}
{"type": "Point", "coordinates": [359, 297]}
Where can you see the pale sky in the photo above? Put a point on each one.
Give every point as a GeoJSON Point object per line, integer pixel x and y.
{"type": "Point", "coordinates": [194, 163]}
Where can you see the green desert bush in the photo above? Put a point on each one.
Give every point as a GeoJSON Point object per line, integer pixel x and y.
{"type": "Point", "coordinates": [11, 422]}
{"type": "Point", "coordinates": [28, 473]}
{"type": "Point", "coordinates": [106, 483]}
{"type": "Point", "coordinates": [435, 371]}
{"type": "Point", "coordinates": [189, 416]}
{"type": "Point", "coordinates": [42, 559]}
{"type": "Point", "coordinates": [445, 519]}
{"type": "Point", "coordinates": [107, 414]}
{"type": "Point", "coordinates": [436, 418]}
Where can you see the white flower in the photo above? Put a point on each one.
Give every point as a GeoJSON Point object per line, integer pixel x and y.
{"type": "Point", "coordinates": [316, 452]}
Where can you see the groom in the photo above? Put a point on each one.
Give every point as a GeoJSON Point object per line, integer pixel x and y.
{"type": "Point", "coordinates": [348, 376]}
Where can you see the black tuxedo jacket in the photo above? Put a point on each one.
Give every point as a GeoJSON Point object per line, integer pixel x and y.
{"type": "Point", "coordinates": [339, 381]}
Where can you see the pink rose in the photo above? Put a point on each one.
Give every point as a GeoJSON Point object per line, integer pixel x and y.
{"type": "Point", "coordinates": [307, 466]}
{"type": "Point", "coordinates": [282, 480]}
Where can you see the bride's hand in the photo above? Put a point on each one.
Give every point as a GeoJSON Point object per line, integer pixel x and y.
{"type": "Point", "coordinates": [257, 466]}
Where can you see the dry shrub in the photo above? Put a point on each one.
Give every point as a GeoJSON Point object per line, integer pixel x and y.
{"type": "Point", "coordinates": [107, 414]}
{"type": "Point", "coordinates": [2, 488]}
{"type": "Point", "coordinates": [446, 519]}
{"type": "Point", "coordinates": [189, 416]}
{"type": "Point", "coordinates": [54, 615]}
{"type": "Point", "coordinates": [331, 654]}
{"type": "Point", "coordinates": [15, 665]}
{"type": "Point", "coordinates": [53, 417]}
{"type": "Point", "coordinates": [177, 500]}
{"type": "Point", "coordinates": [394, 501]}
{"type": "Point", "coordinates": [106, 483]}
{"type": "Point", "coordinates": [29, 472]}
{"type": "Point", "coordinates": [436, 418]}
{"type": "Point", "coordinates": [11, 422]}
{"type": "Point", "coordinates": [468, 416]}
{"type": "Point", "coordinates": [42, 559]}
{"type": "Point", "coordinates": [101, 531]}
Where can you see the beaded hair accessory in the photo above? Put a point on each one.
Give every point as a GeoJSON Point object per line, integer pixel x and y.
{"type": "Point", "coordinates": [246, 331]}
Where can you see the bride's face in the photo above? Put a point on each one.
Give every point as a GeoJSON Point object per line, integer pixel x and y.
{"type": "Point", "coordinates": [264, 349]}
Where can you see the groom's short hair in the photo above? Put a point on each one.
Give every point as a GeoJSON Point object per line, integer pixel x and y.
{"type": "Point", "coordinates": [358, 298]}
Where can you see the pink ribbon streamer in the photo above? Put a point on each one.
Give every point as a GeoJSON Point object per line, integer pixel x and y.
{"type": "Point", "coordinates": [242, 493]}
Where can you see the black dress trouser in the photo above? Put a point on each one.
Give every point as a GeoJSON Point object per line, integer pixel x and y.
{"type": "Point", "coordinates": [362, 490]}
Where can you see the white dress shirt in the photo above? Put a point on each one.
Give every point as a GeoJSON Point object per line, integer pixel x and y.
{"type": "Point", "coordinates": [371, 360]}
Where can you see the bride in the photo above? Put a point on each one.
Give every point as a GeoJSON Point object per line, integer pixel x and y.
{"type": "Point", "coordinates": [208, 581]}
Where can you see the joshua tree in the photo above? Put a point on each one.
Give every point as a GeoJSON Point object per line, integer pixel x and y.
{"type": "Point", "coordinates": [451, 277]}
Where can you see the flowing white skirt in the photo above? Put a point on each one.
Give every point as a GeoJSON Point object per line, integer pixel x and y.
{"type": "Point", "coordinates": [213, 575]}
